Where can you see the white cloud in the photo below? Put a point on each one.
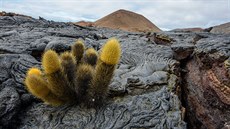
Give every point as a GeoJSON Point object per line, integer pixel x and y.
{"type": "Point", "coordinates": [168, 14]}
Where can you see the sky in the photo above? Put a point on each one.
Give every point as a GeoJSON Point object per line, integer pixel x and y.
{"type": "Point", "coordinates": [166, 14]}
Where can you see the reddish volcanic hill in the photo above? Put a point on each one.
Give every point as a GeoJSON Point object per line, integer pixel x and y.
{"type": "Point", "coordinates": [84, 23]}
{"type": "Point", "coordinates": [128, 21]}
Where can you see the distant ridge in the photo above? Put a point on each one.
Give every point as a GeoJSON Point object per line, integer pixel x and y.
{"type": "Point", "coordinates": [218, 29]}
{"type": "Point", "coordinates": [11, 14]}
{"type": "Point", "coordinates": [222, 28]}
{"type": "Point", "coordinates": [188, 30]}
{"type": "Point", "coordinates": [128, 21]}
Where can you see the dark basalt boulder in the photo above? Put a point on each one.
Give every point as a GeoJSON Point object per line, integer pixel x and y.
{"type": "Point", "coordinates": [151, 84]}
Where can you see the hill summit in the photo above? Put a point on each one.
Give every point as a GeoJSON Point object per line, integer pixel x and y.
{"type": "Point", "coordinates": [123, 20]}
{"type": "Point", "coordinates": [128, 21]}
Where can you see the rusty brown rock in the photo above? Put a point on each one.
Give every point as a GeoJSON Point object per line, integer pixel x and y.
{"type": "Point", "coordinates": [208, 96]}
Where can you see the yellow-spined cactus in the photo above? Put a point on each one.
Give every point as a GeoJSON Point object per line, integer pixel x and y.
{"type": "Point", "coordinates": [78, 50]}
{"type": "Point", "coordinates": [109, 57]}
{"type": "Point", "coordinates": [51, 62]}
{"type": "Point", "coordinates": [111, 52]}
{"type": "Point", "coordinates": [68, 63]}
{"type": "Point", "coordinates": [75, 76]}
{"type": "Point", "coordinates": [53, 70]}
{"type": "Point", "coordinates": [85, 74]}
{"type": "Point", "coordinates": [38, 87]}
{"type": "Point", "coordinates": [35, 83]}
{"type": "Point", "coordinates": [91, 56]}
{"type": "Point", "coordinates": [91, 51]}
{"type": "Point", "coordinates": [34, 71]}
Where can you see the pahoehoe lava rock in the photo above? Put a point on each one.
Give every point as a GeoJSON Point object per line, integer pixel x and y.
{"type": "Point", "coordinates": [9, 105]}
{"type": "Point", "coordinates": [144, 93]}
{"type": "Point", "coordinates": [140, 111]}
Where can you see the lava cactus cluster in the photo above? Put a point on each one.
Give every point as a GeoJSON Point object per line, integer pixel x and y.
{"type": "Point", "coordinates": [77, 76]}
